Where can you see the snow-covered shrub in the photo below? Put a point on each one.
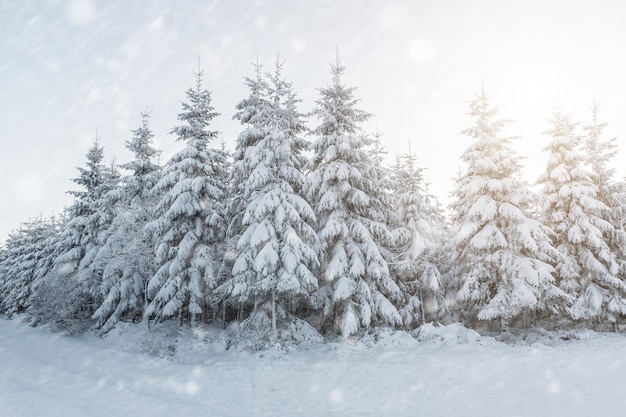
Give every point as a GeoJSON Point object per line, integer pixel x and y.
{"type": "Point", "coordinates": [300, 332]}
{"type": "Point", "coordinates": [255, 332]}
{"type": "Point", "coordinates": [156, 344]}
{"type": "Point", "coordinates": [387, 337]}
{"type": "Point", "coordinates": [449, 334]}
{"type": "Point", "coordinates": [57, 303]}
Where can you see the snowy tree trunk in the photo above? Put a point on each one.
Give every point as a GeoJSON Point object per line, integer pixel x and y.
{"type": "Point", "coordinates": [423, 317]}
{"type": "Point", "coordinates": [504, 325]}
{"type": "Point", "coordinates": [274, 334]}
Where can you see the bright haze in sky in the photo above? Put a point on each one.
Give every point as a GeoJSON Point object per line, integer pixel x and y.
{"type": "Point", "coordinates": [69, 68]}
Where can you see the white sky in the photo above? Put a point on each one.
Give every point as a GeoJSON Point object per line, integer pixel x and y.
{"type": "Point", "coordinates": [69, 67]}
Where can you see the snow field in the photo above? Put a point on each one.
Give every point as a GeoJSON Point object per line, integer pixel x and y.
{"type": "Point", "coordinates": [448, 372]}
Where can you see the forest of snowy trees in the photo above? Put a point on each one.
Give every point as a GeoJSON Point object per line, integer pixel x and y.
{"type": "Point", "coordinates": [305, 230]}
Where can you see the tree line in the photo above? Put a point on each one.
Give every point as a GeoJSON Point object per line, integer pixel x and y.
{"type": "Point", "coordinates": [307, 230]}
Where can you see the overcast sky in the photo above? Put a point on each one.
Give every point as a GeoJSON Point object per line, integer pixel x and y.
{"type": "Point", "coordinates": [68, 68]}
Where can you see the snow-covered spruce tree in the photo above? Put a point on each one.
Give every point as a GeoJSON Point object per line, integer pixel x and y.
{"type": "Point", "coordinates": [25, 248]}
{"type": "Point", "coordinates": [502, 256]}
{"type": "Point", "coordinates": [599, 153]}
{"type": "Point", "coordinates": [88, 219]}
{"type": "Point", "coordinates": [97, 225]}
{"type": "Point", "coordinates": [384, 198]}
{"type": "Point", "coordinates": [356, 287]}
{"type": "Point", "coordinates": [92, 180]}
{"type": "Point", "coordinates": [188, 219]}
{"type": "Point", "coordinates": [127, 258]}
{"type": "Point", "coordinates": [419, 231]}
{"type": "Point", "coordinates": [16, 272]}
{"type": "Point", "coordinates": [587, 269]}
{"type": "Point", "coordinates": [612, 193]}
{"type": "Point", "coordinates": [249, 113]}
{"type": "Point", "coordinates": [41, 301]}
{"type": "Point", "coordinates": [276, 253]}
{"type": "Point", "coordinates": [3, 264]}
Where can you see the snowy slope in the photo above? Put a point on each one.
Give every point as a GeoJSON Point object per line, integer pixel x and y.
{"type": "Point", "coordinates": [50, 375]}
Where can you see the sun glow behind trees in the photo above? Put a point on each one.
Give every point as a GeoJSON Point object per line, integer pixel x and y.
{"type": "Point", "coordinates": [76, 65]}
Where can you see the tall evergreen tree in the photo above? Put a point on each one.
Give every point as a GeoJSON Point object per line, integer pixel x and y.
{"type": "Point", "coordinates": [249, 113]}
{"type": "Point", "coordinates": [419, 231]}
{"type": "Point", "coordinates": [40, 307]}
{"type": "Point", "coordinates": [356, 290]}
{"type": "Point", "coordinates": [4, 260]}
{"type": "Point", "coordinates": [502, 256]}
{"type": "Point", "coordinates": [189, 220]}
{"type": "Point", "coordinates": [126, 257]}
{"type": "Point", "coordinates": [273, 269]}
{"type": "Point", "coordinates": [16, 273]}
{"type": "Point", "coordinates": [84, 232]}
{"type": "Point", "coordinates": [98, 224]}
{"type": "Point", "coordinates": [587, 269]}
{"type": "Point", "coordinates": [598, 154]}
{"type": "Point", "coordinates": [384, 199]}
{"type": "Point", "coordinates": [92, 180]}
{"type": "Point", "coordinates": [25, 249]}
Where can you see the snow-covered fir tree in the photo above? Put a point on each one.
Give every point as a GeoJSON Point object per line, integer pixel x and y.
{"type": "Point", "coordinates": [420, 231]}
{"type": "Point", "coordinates": [249, 115]}
{"type": "Point", "coordinates": [598, 154]}
{"type": "Point", "coordinates": [383, 199]}
{"type": "Point", "coordinates": [92, 180]}
{"type": "Point", "coordinates": [40, 308]}
{"type": "Point", "coordinates": [89, 218]}
{"type": "Point", "coordinates": [24, 252]}
{"type": "Point", "coordinates": [502, 256]}
{"type": "Point", "coordinates": [276, 254]}
{"type": "Point", "coordinates": [4, 258]}
{"type": "Point", "coordinates": [126, 258]}
{"type": "Point", "coordinates": [16, 270]}
{"type": "Point", "coordinates": [97, 225]}
{"type": "Point", "coordinates": [587, 269]}
{"type": "Point", "coordinates": [188, 222]}
{"type": "Point", "coordinates": [356, 287]}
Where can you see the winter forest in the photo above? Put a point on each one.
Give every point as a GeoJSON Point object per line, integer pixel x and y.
{"type": "Point", "coordinates": [304, 232]}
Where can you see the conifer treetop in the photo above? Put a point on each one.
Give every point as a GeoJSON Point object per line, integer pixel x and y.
{"type": "Point", "coordinates": [197, 113]}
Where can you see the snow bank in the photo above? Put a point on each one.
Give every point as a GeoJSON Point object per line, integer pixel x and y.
{"type": "Point", "coordinates": [450, 371]}
{"type": "Point", "coordinates": [449, 334]}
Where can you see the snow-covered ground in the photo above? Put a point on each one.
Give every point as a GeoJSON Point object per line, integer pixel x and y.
{"type": "Point", "coordinates": [449, 372]}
